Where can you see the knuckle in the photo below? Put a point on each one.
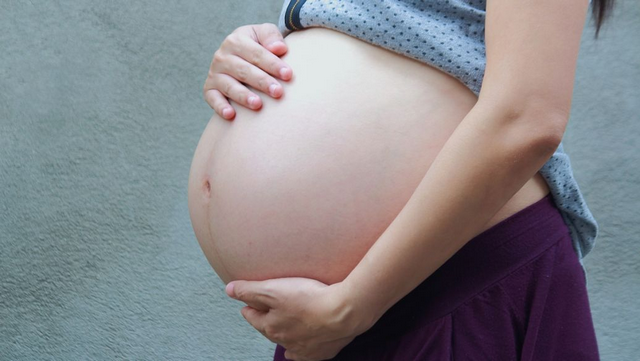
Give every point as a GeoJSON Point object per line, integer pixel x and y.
{"type": "Point", "coordinates": [265, 28]}
{"type": "Point", "coordinates": [231, 40]}
{"type": "Point", "coordinates": [227, 89]}
{"type": "Point", "coordinates": [209, 81]}
{"type": "Point", "coordinates": [256, 55]}
{"type": "Point", "coordinates": [252, 32]}
{"type": "Point", "coordinates": [225, 44]}
{"type": "Point", "coordinates": [269, 289]}
{"type": "Point", "coordinates": [218, 56]}
{"type": "Point", "coordinates": [271, 27]}
{"type": "Point", "coordinates": [208, 85]}
{"type": "Point", "coordinates": [243, 73]}
{"type": "Point", "coordinates": [270, 332]}
{"type": "Point", "coordinates": [275, 65]}
{"type": "Point", "coordinates": [277, 338]}
{"type": "Point", "coordinates": [239, 291]}
{"type": "Point", "coordinates": [263, 82]}
{"type": "Point", "coordinates": [240, 29]}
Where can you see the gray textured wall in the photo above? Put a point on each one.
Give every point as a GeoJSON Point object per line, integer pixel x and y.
{"type": "Point", "coordinates": [100, 112]}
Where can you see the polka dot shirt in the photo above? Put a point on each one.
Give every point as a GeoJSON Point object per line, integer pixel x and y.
{"type": "Point", "coordinates": [448, 35]}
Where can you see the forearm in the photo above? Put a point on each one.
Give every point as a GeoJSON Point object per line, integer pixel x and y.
{"type": "Point", "coordinates": [489, 157]}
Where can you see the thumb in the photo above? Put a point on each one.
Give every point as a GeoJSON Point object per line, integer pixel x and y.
{"type": "Point", "coordinates": [250, 292]}
{"type": "Point", "coordinates": [270, 37]}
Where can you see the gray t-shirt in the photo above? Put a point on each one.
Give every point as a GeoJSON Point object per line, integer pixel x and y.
{"type": "Point", "coordinates": [448, 35]}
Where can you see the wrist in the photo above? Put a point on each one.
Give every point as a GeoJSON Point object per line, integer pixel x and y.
{"type": "Point", "coordinates": [351, 312]}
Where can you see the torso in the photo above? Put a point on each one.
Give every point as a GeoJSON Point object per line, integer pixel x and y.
{"type": "Point", "coordinates": [304, 186]}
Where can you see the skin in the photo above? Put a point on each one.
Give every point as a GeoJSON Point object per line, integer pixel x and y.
{"type": "Point", "coordinates": [518, 122]}
{"type": "Point", "coordinates": [270, 212]}
{"type": "Point", "coordinates": [250, 54]}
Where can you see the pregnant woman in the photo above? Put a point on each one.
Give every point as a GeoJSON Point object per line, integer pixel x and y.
{"type": "Point", "coordinates": [403, 194]}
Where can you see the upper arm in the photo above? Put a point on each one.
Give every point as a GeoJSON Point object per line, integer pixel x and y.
{"type": "Point", "coordinates": [532, 49]}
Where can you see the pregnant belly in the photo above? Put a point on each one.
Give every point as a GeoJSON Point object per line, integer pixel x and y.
{"type": "Point", "coordinates": [306, 185]}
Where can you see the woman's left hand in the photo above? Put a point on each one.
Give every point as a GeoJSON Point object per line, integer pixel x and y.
{"type": "Point", "coordinates": [311, 320]}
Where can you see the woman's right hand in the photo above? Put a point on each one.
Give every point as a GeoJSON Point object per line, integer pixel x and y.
{"type": "Point", "coordinates": [250, 55]}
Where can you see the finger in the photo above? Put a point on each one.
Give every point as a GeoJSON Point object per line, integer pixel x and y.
{"type": "Point", "coordinates": [248, 73]}
{"type": "Point", "coordinates": [270, 37]}
{"type": "Point", "coordinates": [234, 90]}
{"type": "Point", "coordinates": [255, 318]}
{"type": "Point", "coordinates": [219, 103]}
{"type": "Point", "coordinates": [253, 293]}
{"type": "Point", "coordinates": [248, 48]}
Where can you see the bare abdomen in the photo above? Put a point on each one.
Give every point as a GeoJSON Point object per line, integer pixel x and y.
{"type": "Point", "coordinates": [307, 184]}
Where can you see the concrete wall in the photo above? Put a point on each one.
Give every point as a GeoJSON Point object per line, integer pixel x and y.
{"type": "Point", "coordinates": [100, 112]}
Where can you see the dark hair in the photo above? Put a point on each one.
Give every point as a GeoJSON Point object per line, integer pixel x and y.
{"type": "Point", "coordinates": [600, 11]}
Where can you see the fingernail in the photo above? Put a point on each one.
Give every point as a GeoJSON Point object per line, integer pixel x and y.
{"type": "Point", "coordinates": [226, 112]}
{"type": "Point", "coordinates": [277, 42]}
{"type": "Point", "coordinates": [229, 290]}
{"type": "Point", "coordinates": [284, 72]}
{"type": "Point", "coordinates": [253, 101]}
{"type": "Point", "coordinates": [272, 89]}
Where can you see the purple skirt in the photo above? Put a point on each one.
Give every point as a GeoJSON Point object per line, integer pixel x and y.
{"type": "Point", "coordinates": [516, 291]}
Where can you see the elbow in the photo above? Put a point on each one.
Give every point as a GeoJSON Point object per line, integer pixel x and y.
{"type": "Point", "coordinates": [536, 131]}
{"type": "Point", "coordinates": [533, 128]}
{"type": "Point", "coordinates": [542, 132]}
{"type": "Point", "coordinates": [550, 127]}
{"type": "Point", "coordinates": [549, 141]}
{"type": "Point", "coordinates": [534, 124]}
